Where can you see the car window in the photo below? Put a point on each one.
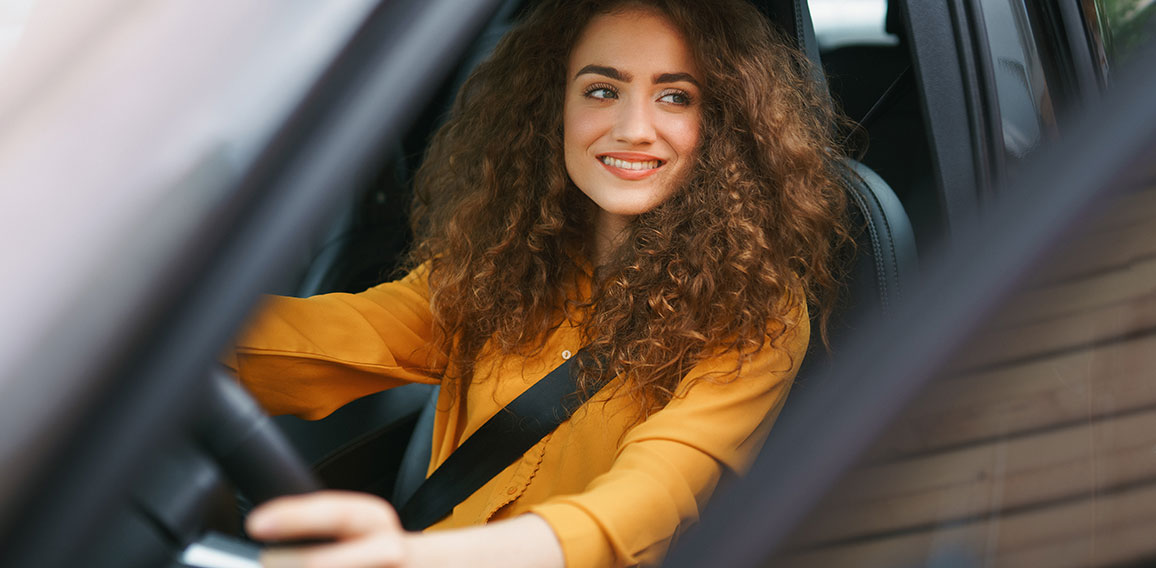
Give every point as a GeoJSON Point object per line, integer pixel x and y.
{"type": "Point", "coordinates": [850, 22]}
{"type": "Point", "coordinates": [1118, 27]}
{"type": "Point", "coordinates": [1027, 114]}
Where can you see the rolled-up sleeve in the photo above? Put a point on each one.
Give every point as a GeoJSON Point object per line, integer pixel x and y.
{"type": "Point", "coordinates": [310, 356]}
{"type": "Point", "coordinates": [667, 466]}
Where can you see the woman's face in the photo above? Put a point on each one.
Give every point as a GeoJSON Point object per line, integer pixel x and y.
{"type": "Point", "coordinates": [631, 118]}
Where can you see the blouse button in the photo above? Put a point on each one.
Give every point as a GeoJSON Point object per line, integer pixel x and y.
{"type": "Point", "coordinates": [566, 354]}
{"type": "Point", "coordinates": [511, 491]}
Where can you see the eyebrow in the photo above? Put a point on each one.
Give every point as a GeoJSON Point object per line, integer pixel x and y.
{"type": "Point", "coordinates": [617, 75]}
{"type": "Point", "coordinates": [676, 77]}
{"type": "Point", "coordinates": [604, 71]}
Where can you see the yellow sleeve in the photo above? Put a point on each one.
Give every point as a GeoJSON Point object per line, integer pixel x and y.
{"type": "Point", "coordinates": [310, 356]}
{"type": "Point", "coordinates": [668, 466]}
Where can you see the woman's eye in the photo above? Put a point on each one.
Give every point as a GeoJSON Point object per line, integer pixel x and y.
{"type": "Point", "coordinates": [600, 92]}
{"type": "Point", "coordinates": [677, 97]}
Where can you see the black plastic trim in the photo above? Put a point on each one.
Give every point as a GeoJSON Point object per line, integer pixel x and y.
{"type": "Point", "coordinates": [941, 84]}
{"type": "Point", "coordinates": [1078, 49]}
{"type": "Point", "coordinates": [984, 104]}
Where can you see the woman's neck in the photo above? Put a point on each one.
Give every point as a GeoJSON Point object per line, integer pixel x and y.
{"type": "Point", "coordinates": [609, 230]}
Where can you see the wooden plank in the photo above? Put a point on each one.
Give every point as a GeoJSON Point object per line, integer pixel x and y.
{"type": "Point", "coordinates": [1081, 385]}
{"type": "Point", "coordinates": [1119, 265]}
{"type": "Point", "coordinates": [1129, 282]}
{"type": "Point", "coordinates": [977, 481]}
{"type": "Point", "coordinates": [1098, 530]}
{"type": "Point", "coordinates": [1120, 234]}
{"type": "Point", "coordinates": [1112, 248]}
{"type": "Point", "coordinates": [992, 347]}
{"type": "Point", "coordinates": [1135, 205]}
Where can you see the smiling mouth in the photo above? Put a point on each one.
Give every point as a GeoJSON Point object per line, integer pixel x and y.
{"type": "Point", "coordinates": [632, 165]}
{"type": "Point", "coordinates": [630, 170]}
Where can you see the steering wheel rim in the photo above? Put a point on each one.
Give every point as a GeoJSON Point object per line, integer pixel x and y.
{"type": "Point", "coordinates": [250, 449]}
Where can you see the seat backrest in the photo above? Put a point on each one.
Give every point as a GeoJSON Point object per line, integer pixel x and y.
{"type": "Point", "coordinates": [886, 262]}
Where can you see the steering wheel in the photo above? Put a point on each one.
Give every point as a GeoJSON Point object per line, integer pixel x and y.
{"type": "Point", "coordinates": [190, 494]}
{"type": "Point", "coordinates": [185, 492]}
{"type": "Point", "coordinates": [251, 451]}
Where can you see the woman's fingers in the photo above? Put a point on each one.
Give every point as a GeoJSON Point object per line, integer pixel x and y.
{"type": "Point", "coordinates": [374, 551]}
{"type": "Point", "coordinates": [365, 529]}
{"type": "Point", "coordinates": [326, 514]}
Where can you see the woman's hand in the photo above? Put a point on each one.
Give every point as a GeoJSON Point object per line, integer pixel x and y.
{"type": "Point", "coordinates": [365, 530]}
{"type": "Point", "coordinates": [366, 533]}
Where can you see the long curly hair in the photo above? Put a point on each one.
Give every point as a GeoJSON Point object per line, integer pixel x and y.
{"type": "Point", "coordinates": [719, 267]}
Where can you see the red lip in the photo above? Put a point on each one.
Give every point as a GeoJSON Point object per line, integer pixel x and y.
{"type": "Point", "coordinates": [631, 175]}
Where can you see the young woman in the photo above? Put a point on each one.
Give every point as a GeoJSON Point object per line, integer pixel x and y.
{"type": "Point", "coordinates": [652, 181]}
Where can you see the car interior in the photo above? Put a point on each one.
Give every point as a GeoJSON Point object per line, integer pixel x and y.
{"type": "Point", "coordinates": [381, 443]}
{"type": "Point", "coordinates": [392, 453]}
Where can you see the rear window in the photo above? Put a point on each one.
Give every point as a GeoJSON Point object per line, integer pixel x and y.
{"type": "Point", "coordinates": [1027, 113]}
{"type": "Point", "coordinates": [850, 22]}
{"type": "Point", "coordinates": [1119, 27]}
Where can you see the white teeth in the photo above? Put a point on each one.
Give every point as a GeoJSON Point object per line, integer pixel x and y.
{"type": "Point", "coordinates": [623, 164]}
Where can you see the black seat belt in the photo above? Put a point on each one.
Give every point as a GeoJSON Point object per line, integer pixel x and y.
{"type": "Point", "coordinates": [497, 444]}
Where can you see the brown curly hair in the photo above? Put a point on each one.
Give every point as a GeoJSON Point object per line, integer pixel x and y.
{"type": "Point", "coordinates": [715, 268]}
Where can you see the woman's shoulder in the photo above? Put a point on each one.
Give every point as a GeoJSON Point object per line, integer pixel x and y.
{"type": "Point", "coordinates": [415, 280]}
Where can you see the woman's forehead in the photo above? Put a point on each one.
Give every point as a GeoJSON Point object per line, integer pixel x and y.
{"type": "Point", "coordinates": [634, 40]}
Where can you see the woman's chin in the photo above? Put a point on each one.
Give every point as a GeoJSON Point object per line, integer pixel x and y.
{"type": "Point", "coordinates": [628, 209]}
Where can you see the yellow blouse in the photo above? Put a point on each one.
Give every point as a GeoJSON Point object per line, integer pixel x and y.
{"type": "Point", "coordinates": [614, 490]}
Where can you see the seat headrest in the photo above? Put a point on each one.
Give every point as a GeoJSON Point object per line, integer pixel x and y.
{"type": "Point", "coordinates": [794, 18]}
{"type": "Point", "coordinates": [893, 23]}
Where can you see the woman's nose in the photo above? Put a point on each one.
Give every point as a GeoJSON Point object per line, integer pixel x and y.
{"type": "Point", "coordinates": [635, 124]}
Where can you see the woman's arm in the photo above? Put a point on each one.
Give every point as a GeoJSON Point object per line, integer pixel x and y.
{"type": "Point", "coordinates": [310, 356]}
{"type": "Point", "coordinates": [367, 534]}
{"type": "Point", "coordinates": [525, 540]}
